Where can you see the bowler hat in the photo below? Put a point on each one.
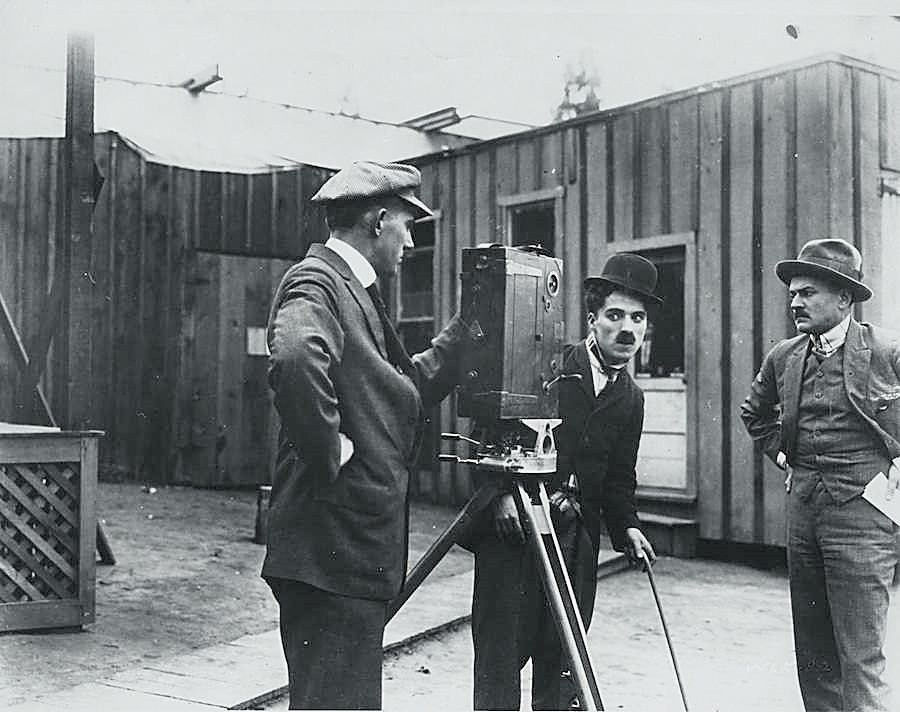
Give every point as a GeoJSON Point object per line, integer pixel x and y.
{"type": "Point", "coordinates": [630, 271]}
{"type": "Point", "coordinates": [368, 179]}
{"type": "Point", "coordinates": [831, 258]}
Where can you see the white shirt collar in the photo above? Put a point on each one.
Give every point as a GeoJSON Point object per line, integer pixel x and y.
{"type": "Point", "coordinates": [358, 264]}
{"type": "Point", "coordinates": [598, 370]}
{"type": "Point", "coordinates": [834, 338]}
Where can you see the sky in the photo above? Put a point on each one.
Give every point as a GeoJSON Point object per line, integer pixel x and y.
{"type": "Point", "coordinates": [395, 59]}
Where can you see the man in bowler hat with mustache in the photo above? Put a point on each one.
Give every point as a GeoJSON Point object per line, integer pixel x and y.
{"type": "Point", "coordinates": [602, 417]}
{"type": "Point", "coordinates": [825, 407]}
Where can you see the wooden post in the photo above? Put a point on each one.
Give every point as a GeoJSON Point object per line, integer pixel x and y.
{"type": "Point", "coordinates": [79, 203]}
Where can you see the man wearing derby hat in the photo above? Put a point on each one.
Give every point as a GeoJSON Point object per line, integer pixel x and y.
{"type": "Point", "coordinates": [825, 407]}
{"type": "Point", "coordinates": [602, 416]}
{"type": "Point", "coordinates": [352, 404]}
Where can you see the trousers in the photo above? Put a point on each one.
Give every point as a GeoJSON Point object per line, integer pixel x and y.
{"type": "Point", "coordinates": [332, 645]}
{"type": "Point", "coordinates": [512, 621]}
{"type": "Point", "coordinates": [841, 561]}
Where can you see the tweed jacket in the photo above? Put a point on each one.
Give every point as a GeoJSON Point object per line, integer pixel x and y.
{"type": "Point", "coordinates": [871, 379]}
{"type": "Point", "coordinates": [598, 440]}
{"type": "Point", "coordinates": [344, 529]}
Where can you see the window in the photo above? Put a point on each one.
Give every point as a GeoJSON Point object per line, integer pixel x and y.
{"type": "Point", "coordinates": [533, 218]}
{"type": "Point", "coordinates": [415, 311]}
{"type": "Point", "coordinates": [417, 274]}
{"type": "Point", "coordinates": [662, 354]}
{"type": "Point", "coordinates": [533, 224]}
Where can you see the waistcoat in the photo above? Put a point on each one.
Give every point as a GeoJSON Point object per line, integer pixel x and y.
{"type": "Point", "coordinates": [834, 444]}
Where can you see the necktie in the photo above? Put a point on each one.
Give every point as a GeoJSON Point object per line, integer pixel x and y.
{"type": "Point", "coordinates": [610, 372]}
{"type": "Point", "coordinates": [819, 349]}
{"type": "Point", "coordinates": [396, 353]}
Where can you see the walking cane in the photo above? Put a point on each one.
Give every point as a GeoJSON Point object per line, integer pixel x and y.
{"type": "Point", "coordinates": [662, 619]}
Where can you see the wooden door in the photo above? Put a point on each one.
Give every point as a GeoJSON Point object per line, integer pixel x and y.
{"type": "Point", "coordinates": [233, 426]}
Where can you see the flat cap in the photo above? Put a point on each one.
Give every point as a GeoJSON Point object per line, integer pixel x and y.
{"type": "Point", "coordinates": [367, 179]}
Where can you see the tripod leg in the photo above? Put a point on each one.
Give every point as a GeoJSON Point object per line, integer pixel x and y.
{"type": "Point", "coordinates": [559, 592]}
{"type": "Point", "coordinates": [451, 535]}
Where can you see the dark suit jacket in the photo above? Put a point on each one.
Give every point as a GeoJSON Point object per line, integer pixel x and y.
{"type": "Point", "coordinates": [598, 440]}
{"type": "Point", "coordinates": [871, 377]}
{"type": "Point", "coordinates": [344, 529]}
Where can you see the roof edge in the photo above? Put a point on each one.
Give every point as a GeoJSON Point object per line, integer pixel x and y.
{"type": "Point", "coordinates": [698, 89]}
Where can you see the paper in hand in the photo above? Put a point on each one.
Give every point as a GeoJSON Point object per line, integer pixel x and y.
{"type": "Point", "coordinates": [876, 494]}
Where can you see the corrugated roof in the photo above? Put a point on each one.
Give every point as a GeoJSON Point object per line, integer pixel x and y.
{"type": "Point", "coordinates": [210, 130]}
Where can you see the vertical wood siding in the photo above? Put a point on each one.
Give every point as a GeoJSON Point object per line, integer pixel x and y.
{"type": "Point", "coordinates": [775, 234]}
{"type": "Point", "coordinates": [712, 479]}
{"type": "Point", "coordinates": [158, 233]}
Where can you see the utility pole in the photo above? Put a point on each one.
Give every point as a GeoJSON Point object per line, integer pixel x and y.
{"type": "Point", "coordinates": [80, 289]}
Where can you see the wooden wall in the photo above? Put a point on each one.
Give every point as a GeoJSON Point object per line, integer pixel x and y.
{"type": "Point", "coordinates": [153, 224]}
{"type": "Point", "coordinates": [742, 174]}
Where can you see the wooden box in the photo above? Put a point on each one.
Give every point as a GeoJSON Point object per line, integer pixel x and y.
{"type": "Point", "coordinates": [48, 486]}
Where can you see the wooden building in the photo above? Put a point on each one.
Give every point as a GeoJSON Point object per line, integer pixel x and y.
{"type": "Point", "coordinates": [714, 184]}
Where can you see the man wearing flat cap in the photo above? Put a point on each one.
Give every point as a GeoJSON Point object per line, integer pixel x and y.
{"type": "Point", "coordinates": [825, 407]}
{"type": "Point", "coordinates": [352, 404]}
{"type": "Point", "coordinates": [602, 415]}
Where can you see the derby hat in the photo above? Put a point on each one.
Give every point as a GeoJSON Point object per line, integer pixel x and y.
{"type": "Point", "coordinates": [631, 272]}
{"type": "Point", "coordinates": [368, 179]}
{"type": "Point", "coordinates": [830, 258]}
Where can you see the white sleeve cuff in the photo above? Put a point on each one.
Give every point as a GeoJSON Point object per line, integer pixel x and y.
{"type": "Point", "coordinates": [346, 449]}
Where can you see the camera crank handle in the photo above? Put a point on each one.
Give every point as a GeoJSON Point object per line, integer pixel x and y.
{"type": "Point", "coordinates": [561, 377]}
{"type": "Point", "coordinates": [457, 436]}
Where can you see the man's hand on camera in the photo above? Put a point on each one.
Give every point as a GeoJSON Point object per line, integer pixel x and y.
{"type": "Point", "coordinates": [506, 519]}
{"type": "Point", "coordinates": [638, 545]}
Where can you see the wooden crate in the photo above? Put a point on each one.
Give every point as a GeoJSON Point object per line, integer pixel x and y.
{"type": "Point", "coordinates": [48, 486]}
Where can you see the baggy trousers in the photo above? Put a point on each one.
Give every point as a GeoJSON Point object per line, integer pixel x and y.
{"type": "Point", "coordinates": [841, 562]}
{"type": "Point", "coordinates": [332, 645]}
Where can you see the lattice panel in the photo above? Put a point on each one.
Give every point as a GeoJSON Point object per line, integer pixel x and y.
{"type": "Point", "coordinates": [39, 531]}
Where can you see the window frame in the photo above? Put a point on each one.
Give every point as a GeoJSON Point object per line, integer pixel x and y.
{"type": "Point", "coordinates": [508, 203]}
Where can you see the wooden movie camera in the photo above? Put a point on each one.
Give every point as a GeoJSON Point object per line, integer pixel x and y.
{"type": "Point", "coordinates": [513, 300]}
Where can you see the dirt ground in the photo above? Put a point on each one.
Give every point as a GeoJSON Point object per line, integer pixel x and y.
{"type": "Point", "coordinates": [187, 576]}
{"type": "Point", "coordinates": [730, 626]}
